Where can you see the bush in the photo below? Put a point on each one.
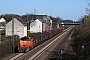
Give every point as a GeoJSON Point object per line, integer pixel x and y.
{"type": "Point", "coordinates": [82, 42]}
{"type": "Point", "coordinates": [6, 46]}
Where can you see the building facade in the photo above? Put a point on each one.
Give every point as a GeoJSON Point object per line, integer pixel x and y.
{"type": "Point", "coordinates": [36, 26]}
{"type": "Point", "coordinates": [18, 28]}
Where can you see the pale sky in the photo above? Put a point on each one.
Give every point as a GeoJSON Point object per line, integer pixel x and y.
{"type": "Point", "coordinates": [65, 9]}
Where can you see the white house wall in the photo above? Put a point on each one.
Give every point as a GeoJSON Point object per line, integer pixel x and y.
{"type": "Point", "coordinates": [18, 28]}
{"type": "Point", "coordinates": [51, 25]}
{"type": "Point", "coordinates": [36, 26]}
{"type": "Point", "coordinates": [25, 30]}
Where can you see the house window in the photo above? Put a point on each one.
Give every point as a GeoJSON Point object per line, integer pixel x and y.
{"type": "Point", "coordinates": [39, 26]}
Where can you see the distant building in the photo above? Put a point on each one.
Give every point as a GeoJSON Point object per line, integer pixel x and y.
{"type": "Point", "coordinates": [40, 25]}
{"type": "Point", "coordinates": [19, 28]}
{"type": "Point", "coordinates": [2, 23]}
{"type": "Point", "coordinates": [25, 22]}
{"type": "Point", "coordinates": [36, 26]}
{"type": "Point", "coordinates": [29, 17]}
{"type": "Point", "coordinates": [2, 20]}
{"type": "Point", "coordinates": [46, 24]}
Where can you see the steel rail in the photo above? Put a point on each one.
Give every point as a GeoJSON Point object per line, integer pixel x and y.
{"type": "Point", "coordinates": [34, 53]}
{"type": "Point", "coordinates": [40, 52]}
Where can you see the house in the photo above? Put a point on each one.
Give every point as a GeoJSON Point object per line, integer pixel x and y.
{"type": "Point", "coordinates": [30, 17]}
{"type": "Point", "coordinates": [2, 23]}
{"type": "Point", "coordinates": [40, 25]}
{"type": "Point", "coordinates": [19, 28]}
{"type": "Point", "coordinates": [26, 20]}
{"type": "Point", "coordinates": [50, 22]}
{"type": "Point", "coordinates": [46, 27]}
{"type": "Point", "coordinates": [36, 26]}
{"type": "Point", "coordinates": [2, 20]}
{"type": "Point", "coordinates": [46, 24]}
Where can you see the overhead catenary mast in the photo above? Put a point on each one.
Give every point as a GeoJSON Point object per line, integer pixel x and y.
{"type": "Point", "coordinates": [12, 39]}
{"type": "Point", "coordinates": [35, 12]}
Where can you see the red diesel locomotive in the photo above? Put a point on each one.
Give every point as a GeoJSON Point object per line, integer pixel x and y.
{"type": "Point", "coordinates": [27, 43]}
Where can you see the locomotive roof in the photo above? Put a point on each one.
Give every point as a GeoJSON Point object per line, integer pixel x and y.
{"type": "Point", "coordinates": [24, 38]}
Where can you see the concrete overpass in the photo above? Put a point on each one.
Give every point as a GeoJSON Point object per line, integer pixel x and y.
{"type": "Point", "coordinates": [69, 23]}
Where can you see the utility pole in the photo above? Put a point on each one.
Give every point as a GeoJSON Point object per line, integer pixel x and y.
{"type": "Point", "coordinates": [0, 35]}
{"type": "Point", "coordinates": [28, 32]}
{"type": "Point", "coordinates": [13, 33]}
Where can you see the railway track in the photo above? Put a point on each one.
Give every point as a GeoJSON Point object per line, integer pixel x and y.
{"type": "Point", "coordinates": [46, 52]}
{"type": "Point", "coordinates": [56, 52]}
{"type": "Point", "coordinates": [39, 50]}
{"type": "Point", "coordinates": [16, 56]}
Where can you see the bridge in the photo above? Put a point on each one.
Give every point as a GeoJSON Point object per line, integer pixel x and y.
{"type": "Point", "coordinates": [69, 23]}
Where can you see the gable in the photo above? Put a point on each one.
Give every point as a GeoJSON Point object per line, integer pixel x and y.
{"type": "Point", "coordinates": [2, 20]}
{"type": "Point", "coordinates": [36, 22]}
{"type": "Point", "coordinates": [15, 23]}
{"type": "Point", "coordinates": [36, 26]}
